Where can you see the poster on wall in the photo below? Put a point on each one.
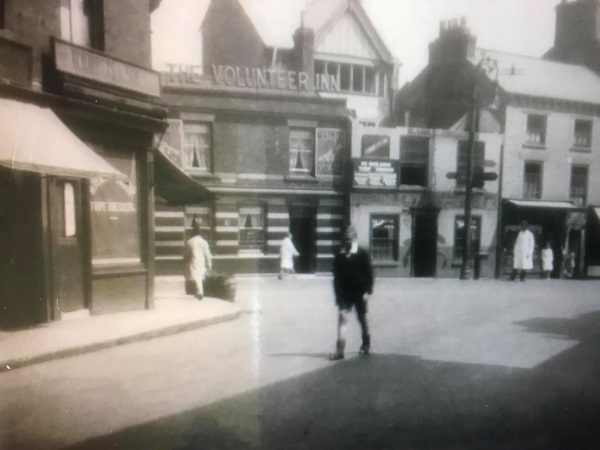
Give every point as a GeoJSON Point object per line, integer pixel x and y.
{"type": "Point", "coordinates": [114, 215]}
{"type": "Point", "coordinates": [371, 173]}
{"type": "Point", "coordinates": [375, 146]}
{"type": "Point", "coordinates": [330, 144]}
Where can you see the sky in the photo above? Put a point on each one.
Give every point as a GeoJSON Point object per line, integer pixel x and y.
{"type": "Point", "coordinates": [407, 26]}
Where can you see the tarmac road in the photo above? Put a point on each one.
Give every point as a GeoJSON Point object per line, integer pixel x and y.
{"type": "Point", "coordinates": [455, 365]}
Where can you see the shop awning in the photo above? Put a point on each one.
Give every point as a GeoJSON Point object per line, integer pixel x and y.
{"type": "Point", "coordinates": [542, 204]}
{"type": "Point", "coordinates": [173, 184]}
{"type": "Point", "coordinates": [33, 138]}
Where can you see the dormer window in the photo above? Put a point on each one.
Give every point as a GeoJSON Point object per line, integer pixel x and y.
{"type": "Point", "coordinates": [536, 129]}
{"type": "Point", "coordinates": [82, 22]}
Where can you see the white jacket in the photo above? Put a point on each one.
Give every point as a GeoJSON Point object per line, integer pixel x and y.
{"type": "Point", "coordinates": [523, 251]}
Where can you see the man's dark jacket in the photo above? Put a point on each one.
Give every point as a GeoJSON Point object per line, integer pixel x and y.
{"type": "Point", "coordinates": [352, 276]}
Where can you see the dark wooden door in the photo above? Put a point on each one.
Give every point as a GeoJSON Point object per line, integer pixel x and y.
{"type": "Point", "coordinates": [303, 229]}
{"type": "Point", "coordinates": [67, 238]}
{"type": "Point", "coordinates": [425, 245]}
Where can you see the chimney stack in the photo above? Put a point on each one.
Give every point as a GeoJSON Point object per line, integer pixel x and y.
{"type": "Point", "coordinates": [454, 44]}
{"type": "Point", "coordinates": [304, 51]}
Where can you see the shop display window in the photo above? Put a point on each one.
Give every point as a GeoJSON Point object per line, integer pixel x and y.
{"type": "Point", "coordinates": [197, 146]}
{"type": "Point", "coordinates": [251, 224]}
{"type": "Point", "coordinates": [414, 161]}
{"type": "Point", "coordinates": [384, 238]}
{"type": "Point", "coordinates": [302, 151]}
{"type": "Point", "coordinates": [459, 237]}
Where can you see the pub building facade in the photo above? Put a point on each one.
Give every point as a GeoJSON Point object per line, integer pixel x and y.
{"type": "Point", "coordinates": [407, 199]}
{"type": "Point", "coordinates": [79, 108]}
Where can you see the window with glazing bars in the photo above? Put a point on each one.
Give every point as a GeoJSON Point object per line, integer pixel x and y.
{"type": "Point", "coordinates": [196, 146]}
{"type": "Point", "coordinates": [461, 164]}
{"type": "Point", "coordinates": [251, 224]}
{"type": "Point", "coordinates": [532, 180]}
{"type": "Point", "coordinates": [384, 238]}
{"type": "Point", "coordinates": [583, 133]}
{"type": "Point", "coordinates": [579, 185]}
{"type": "Point", "coordinates": [302, 151]}
{"type": "Point", "coordinates": [414, 161]}
{"type": "Point", "coordinates": [536, 129]}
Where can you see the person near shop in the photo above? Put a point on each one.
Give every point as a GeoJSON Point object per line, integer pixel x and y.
{"type": "Point", "coordinates": [198, 260]}
{"type": "Point", "coordinates": [547, 261]}
{"type": "Point", "coordinates": [287, 252]}
{"type": "Point", "coordinates": [523, 252]}
{"type": "Point", "coordinates": [352, 284]}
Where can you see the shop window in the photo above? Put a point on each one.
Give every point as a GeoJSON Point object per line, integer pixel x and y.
{"type": "Point", "coordinates": [201, 215]}
{"type": "Point", "coordinates": [459, 237]}
{"type": "Point", "coordinates": [583, 133]}
{"type": "Point", "coordinates": [536, 129]}
{"type": "Point", "coordinates": [251, 224]}
{"type": "Point", "coordinates": [532, 180]}
{"type": "Point", "coordinates": [69, 211]}
{"type": "Point", "coordinates": [197, 146]}
{"type": "Point", "coordinates": [82, 22]}
{"type": "Point", "coordinates": [384, 238]}
{"type": "Point", "coordinates": [461, 165]}
{"type": "Point", "coordinates": [302, 151]}
{"type": "Point", "coordinates": [414, 161]}
{"type": "Point", "coordinates": [579, 185]}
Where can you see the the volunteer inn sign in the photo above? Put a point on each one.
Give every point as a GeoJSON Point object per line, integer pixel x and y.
{"type": "Point", "coordinates": [250, 78]}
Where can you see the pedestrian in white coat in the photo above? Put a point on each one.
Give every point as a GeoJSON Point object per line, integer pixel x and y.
{"type": "Point", "coordinates": [286, 256]}
{"type": "Point", "coordinates": [523, 252]}
{"type": "Point", "coordinates": [198, 261]}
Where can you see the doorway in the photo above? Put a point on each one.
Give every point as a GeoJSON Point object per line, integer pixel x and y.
{"type": "Point", "coordinates": [67, 239]}
{"type": "Point", "coordinates": [424, 243]}
{"type": "Point", "coordinates": [303, 220]}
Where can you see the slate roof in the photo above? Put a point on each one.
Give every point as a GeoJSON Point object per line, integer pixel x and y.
{"type": "Point", "coordinates": [531, 76]}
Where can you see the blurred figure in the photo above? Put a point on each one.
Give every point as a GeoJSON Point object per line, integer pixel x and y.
{"type": "Point", "coordinates": [198, 261]}
{"type": "Point", "coordinates": [523, 252]}
{"type": "Point", "coordinates": [547, 261]}
{"type": "Point", "coordinates": [352, 284]}
{"type": "Point", "coordinates": [286, 256]}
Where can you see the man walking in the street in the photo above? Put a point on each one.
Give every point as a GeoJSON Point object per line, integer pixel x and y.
{"type": "Point", "coordinates": [352, 283]}
{"type": "Point", "coordinates": [523, 252]}
{"type": "Point", "coordinates": [198, 261]}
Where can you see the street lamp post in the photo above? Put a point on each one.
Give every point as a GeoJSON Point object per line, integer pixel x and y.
{"type": "Point", "coordinates": [486, 65]}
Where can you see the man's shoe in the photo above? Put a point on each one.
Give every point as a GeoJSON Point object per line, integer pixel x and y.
{"type": "Point", "coordinates": [336, 356]}
{"type": "Point", "coordinates": [364, 350]}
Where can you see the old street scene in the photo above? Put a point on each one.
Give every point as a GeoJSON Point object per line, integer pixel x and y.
{"type": "Point", "coordinates": [310, 224]}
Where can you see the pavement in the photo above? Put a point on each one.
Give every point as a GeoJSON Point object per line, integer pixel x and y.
{"type": "Point", "coordinates": [174, 312]}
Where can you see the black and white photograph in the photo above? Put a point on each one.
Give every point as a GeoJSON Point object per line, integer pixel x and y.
{"type": "Point", "coordinates": [299, 224]}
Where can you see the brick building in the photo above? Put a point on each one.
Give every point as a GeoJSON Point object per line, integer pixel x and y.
{"type": "Point", "coordinates": [79, 108]}
{"type": "Point", "coordinates": [549, 114]}
{"type": "Point", "coordinates": [263, 122]}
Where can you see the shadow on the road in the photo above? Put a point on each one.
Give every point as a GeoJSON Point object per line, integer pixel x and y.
{"type": "Point", "coordinates": [388, 401]}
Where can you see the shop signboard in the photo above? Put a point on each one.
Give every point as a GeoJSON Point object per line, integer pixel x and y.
{"type": "Point", "coordinates": [330, 151]}
{"type": "Point", "coordinates": [375, 146]}
{"type": "Point", "coordinates": [375, 174]}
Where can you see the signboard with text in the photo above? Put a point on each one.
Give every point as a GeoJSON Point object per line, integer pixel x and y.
{"type": "Point", "coordinates": [330, 151]}
{"type": "Point", "coordinates": [375, 146]}
{"type": "Point", "coordinates": [375, 173]}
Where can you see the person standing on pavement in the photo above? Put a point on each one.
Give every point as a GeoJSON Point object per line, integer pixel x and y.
{"type": "Point", "coordinates": [198, 261]}
{"type": "Point", "coordinates": [286, 256]}
{"type": "Point", "coordinates": [523, 252]}
{"type": "Point", "coordinates": [547, 260]}
{"type": "Point", "coordinates": [352, 285]}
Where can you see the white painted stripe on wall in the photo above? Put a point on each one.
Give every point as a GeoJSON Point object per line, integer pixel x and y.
{"type": "Point", "coordinates": [165, 214]}
{"type": "Point", "coordinates": [325, 242]}
{"type": "Point", "coordinates": [329, 216]}
{"type": "Point", "coordinates": [246, 256]}
{"type": "Point", "coordinates": [100, 261]}
{"type": "Point", "coordinates": [278, 229]}
{"type": "Point", "coordinates": [226, 215]}
{"type": "Point", "coordinates": [226, 229]}
{"type": "Point", "coordinates": [227, 243]}
{"type": "Point", "coordinates": [168, 258]}
{"type": "Point", "coordinates": [328, 229]}
{"type": "Point", "coordinates": [331, 202]}
{"type": "Point", "coordinates": [274, 242]}
{"type": "Point", "coordinates": [169, 243]}
{"type": "Point", "coordinates": [278, 215]}
{"type": "Point", "coordinates": [161, 229]}
{"type": "Point", "coordinates": [324, 255]}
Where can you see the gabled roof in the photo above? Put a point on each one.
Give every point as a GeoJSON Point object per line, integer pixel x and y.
{"type": "Point", "coordinates": [536, 77]}
{"type": "Point", "coordinates": [276, 21]}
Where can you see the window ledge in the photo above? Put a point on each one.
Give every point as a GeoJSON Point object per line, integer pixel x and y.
{"type": "Point", "coordinates": [578, 149]}
{"type": "Point", "coordinates": [534, 146]}
{"type": "Point", "coordinates": [301, 178]}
